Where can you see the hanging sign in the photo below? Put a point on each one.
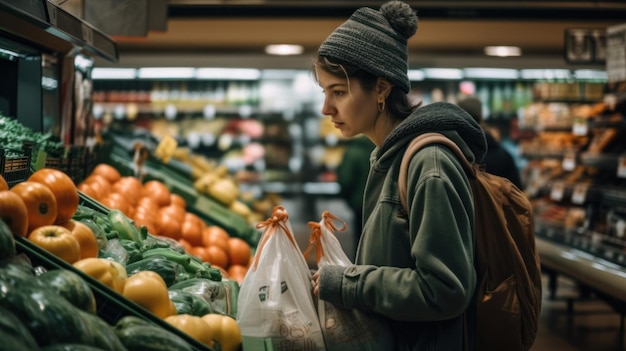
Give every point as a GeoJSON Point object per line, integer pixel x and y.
{"type": "Point", "coordinates": [585, 45]}
{"type": "Point", "coordinates": [616, 53]}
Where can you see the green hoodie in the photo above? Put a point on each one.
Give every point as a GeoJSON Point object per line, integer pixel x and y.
{"type": "Point", "coordinates": [416, 270]}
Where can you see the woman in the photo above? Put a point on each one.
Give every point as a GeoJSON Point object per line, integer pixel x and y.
{"type": "Point", "coordinates": [415, 269]}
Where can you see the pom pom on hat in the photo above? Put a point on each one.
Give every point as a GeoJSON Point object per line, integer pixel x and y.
{"type": "Point", "coordinates": [375, 41]}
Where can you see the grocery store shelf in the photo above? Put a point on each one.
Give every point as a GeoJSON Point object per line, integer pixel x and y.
{"type": "Point", "coordinates": [45, 24]}
{"type": "Point", "coordinates": [595, 272]}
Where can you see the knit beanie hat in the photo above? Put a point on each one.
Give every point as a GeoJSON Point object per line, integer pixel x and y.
{"type": "Point", "coordinates": [375, 41]}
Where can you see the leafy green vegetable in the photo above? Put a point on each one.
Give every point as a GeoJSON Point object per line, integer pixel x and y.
{"type": "Point", "coordinates": [14, 134]}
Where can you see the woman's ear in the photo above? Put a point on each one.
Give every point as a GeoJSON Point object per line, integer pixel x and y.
{"type": "Point", "coordinates": [383, 87]}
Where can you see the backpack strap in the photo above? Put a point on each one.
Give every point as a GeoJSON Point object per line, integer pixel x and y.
{"type": "Point", "coordinates": [416, 144]}
{"type": "Point", "coordinates": [419, 142]}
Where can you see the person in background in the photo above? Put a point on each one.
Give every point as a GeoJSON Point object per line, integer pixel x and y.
{"type": "Point", "coordinates": [498, 160]}
{"type": "Point", "coordinates": [352, 175]}
{"type": "Point", "coordinates": [413, 268]}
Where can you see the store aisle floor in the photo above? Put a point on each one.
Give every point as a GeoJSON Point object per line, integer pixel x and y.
{"type": "Point", "coordinates": [592, 325]}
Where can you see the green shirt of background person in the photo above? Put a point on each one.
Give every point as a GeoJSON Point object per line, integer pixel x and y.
{"type": "Point", "coordinates": [352, 175]}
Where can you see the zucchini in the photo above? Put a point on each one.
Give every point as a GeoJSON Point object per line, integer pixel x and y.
{"type": "Point", "coordinates": [151, 338]}
{"type": "Point", "coordinates": [125, 228]}
{"type": "Point", "coordinates": [170, 254]}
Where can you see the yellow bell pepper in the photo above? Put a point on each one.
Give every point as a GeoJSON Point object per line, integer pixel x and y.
{"type": "Point", "coordinates": [148, 289]}
{"type": "Point", "coordinates": [109, 273]}
{"type": "Point", "coordinates": [225, 331]}
{"type": "Point", "coordinates": [193, 326]}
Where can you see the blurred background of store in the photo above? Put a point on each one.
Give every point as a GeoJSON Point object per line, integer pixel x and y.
{"type": "Point", "coordinates": [197, 71]}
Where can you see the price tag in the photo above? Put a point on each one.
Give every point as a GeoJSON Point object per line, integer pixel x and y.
{"type": "Point", "coordinates": [558, 189]}
{"type": "Point", "coordinates": [579, 194]}
{"type": "Point", "coordinates": [621, 167]}
{"type": "Point", "coordinates": [569, 161]}
{"type": "Point", "coordinates": [580, 127]}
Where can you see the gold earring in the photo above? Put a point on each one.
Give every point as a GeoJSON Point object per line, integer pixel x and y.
{"type": "Point", "coordinates": [381, 106]}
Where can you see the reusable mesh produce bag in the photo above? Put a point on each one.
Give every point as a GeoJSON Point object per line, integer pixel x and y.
{"type": "Point", "coordinates": [344, 329]}
{"type": "Point", "coordinates": [275, 300]}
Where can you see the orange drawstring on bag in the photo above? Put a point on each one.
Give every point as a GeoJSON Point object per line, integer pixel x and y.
{"type": "Point", "coordinates": [316, 234]}
{"type": "Point", "coordinates": [278, 219]}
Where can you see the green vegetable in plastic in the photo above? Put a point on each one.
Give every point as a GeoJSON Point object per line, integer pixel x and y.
{"type": "Point", "coordinates": [170, 271]}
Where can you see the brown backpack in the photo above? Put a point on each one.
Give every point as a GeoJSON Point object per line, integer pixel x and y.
{"type": "Point", "coordinates": [508, 296]}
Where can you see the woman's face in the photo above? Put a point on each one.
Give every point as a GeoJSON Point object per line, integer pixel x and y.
{"type": "Point", "coordinates": [352, 110]}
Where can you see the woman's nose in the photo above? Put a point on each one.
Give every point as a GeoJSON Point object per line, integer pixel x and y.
{"type": "Point", "coordinates": [327, 108]}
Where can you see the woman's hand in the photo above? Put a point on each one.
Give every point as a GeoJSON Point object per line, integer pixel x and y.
{"type": "Point", "coordinates": [315, 283]}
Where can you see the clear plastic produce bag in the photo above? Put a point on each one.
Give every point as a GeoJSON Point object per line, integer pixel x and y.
{"type": "Point", "coordinates": [344, 329]}
{"type": "Point", "coordinates": [275, 300]}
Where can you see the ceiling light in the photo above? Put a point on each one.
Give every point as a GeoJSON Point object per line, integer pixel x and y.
{"type": "Point", "coordinates": [284, 49]}
{"type": "Point", "coordinates": [416, 75]}
{"type": "Point", "coordinates": [545, 74]}
{"type": "Point", "coordinates": [491, 73]}
{"type": "Point", "coordinates": [228, 73]}
{"type": "Point", "coordinates": [503, 51]}
{"type": "Point", "coordinates": [113, 73]}
{"type": "Point", "coordinates": [443, 73]}
{"type": "Point", "coordinates": [591, 74]}
{"type": "Point", "coordinates": [166, 72]}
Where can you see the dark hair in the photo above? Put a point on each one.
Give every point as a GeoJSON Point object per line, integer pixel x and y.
{"type": "Point", "coordinates": [397, 102]}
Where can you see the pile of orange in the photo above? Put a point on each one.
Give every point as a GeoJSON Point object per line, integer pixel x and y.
{"type": "Point", "coordinates": [164, 213]}
{"type": "Point", "coordinates": [41, 208]}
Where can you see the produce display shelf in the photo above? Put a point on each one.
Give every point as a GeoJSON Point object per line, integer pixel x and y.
{"type": "Point", "coordinates": [77, 161]}
{"type": "Point", "coordinates": [111, 306]}
{"type": "Point", "coordinates": [201, 205]}
{"type": "Point", "coordinates": [16, 169]}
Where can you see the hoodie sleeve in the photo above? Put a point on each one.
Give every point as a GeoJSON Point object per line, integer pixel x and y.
{"type": "Point", "coordinates": [442, 281]}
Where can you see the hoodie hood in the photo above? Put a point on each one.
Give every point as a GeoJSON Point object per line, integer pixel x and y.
{"type": "Point", "coordinates": [441, 117]}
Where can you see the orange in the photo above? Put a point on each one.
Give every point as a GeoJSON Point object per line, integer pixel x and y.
{"type": "Point", "coordinates": [217, 256]}
{"type": "Point", "coordinates": [239, 251]}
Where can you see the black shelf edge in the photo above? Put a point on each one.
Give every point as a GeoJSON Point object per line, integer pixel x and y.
{"type": "Point", "coordinates": [59, 30]}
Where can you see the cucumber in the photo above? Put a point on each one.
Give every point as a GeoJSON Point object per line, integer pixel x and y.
{"type": "Point", "coordinates": [125, 228]}
{"type": "Point", "coordinates": [151, 338]}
